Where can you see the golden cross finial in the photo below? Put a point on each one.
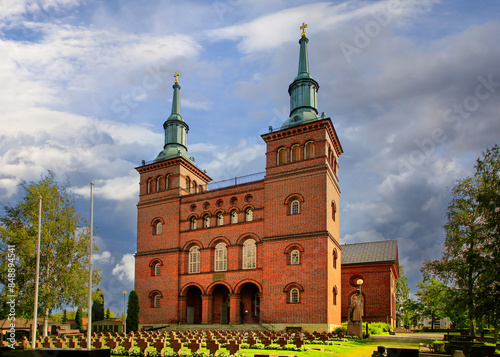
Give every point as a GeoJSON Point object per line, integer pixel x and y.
{"type": "Point", "coordinates": [176, 75]}
{"type": "Point", "coordinates": [303, 28]}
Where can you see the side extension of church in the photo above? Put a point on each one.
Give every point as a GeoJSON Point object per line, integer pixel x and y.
{"type": "Point", "coordinates": [265, 251]}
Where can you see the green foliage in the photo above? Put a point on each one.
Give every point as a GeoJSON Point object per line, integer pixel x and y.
{"type": "Point", "coordinates": [108, 314]}
{"type": "Point", "coordinates": [340, 329]}
{"type": "Point", "coordinates": [97, 305]}
{"type": "Point", "coordinates": [377, 328]}
{"type": "Point", "coordinates": [64, 318]}
{"type": "Point", "coordinates": [78, 319]}
{"type": "Point", "coordinates": [471, 256]}
{"type": "Point", "coordinates": [438, 346]}
{"type": "Point", "coordinates": [404, 312]}
{"type": "Point", "coordinates": [432, 296]}
{"type": "Point", "coordinates": [64, 247]}
{"type": "Point", "coordinates": [133, 312]}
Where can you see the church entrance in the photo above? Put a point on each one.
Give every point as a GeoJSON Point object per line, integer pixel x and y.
{"type": "Point", "coordinates": [250, 304]}
{"type": "Point", "coordinates": [220, 305]}
{"type": "Point", "coordinates": [193, 305]}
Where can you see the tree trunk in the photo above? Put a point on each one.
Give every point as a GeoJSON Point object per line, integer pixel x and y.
{"type": "Point", "coordinates": [495, 333]}
{"type": "Point", "coordinates": [45, 323]}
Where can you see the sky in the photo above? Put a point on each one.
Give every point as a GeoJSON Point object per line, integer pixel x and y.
{"type": "Point", "coordinates": [412, 88]}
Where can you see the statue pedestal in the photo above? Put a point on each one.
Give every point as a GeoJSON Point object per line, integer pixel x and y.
{"type": "Point", "coordinates": [354, 328]}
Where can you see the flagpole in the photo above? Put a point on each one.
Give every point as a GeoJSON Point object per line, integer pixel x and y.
{"type": "Point", "coordinates": [89, 318]}
{"type": "Point", "coordinates": [35, 312]}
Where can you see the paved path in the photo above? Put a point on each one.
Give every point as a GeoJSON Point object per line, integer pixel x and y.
{"type": "Point", "coordinates": [409, 337]}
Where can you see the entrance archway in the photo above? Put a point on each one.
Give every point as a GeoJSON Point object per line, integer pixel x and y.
{"type": "Point", "coordinates": [220, 306]}
{"type": "Point", "coordinates": [193, 305]}
{"type": "Point", "coordinates": [250, 303]}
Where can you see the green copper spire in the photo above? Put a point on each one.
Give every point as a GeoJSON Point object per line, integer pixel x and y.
{"type": "Point", "coordinates": [303, 89]}
{"type": "Point", "coordinates": [176, 130]}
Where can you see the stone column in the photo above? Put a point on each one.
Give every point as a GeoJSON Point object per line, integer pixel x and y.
{"type": "Point", "coordinates": [206, 308]}
{"type": "Point", "coordinates": [234, 308]}
{"type": "Point", "coordinates": [182, 309]}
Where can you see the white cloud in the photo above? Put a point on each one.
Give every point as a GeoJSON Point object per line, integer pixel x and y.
{"type": "Point", "coordinates": [362, 236]}
{"type": "Point", "coordinates": [256, 35]}
{"type": "Point", "coordinates": [125, 270]}
{"type": "Point", "coordinates": [105, 258]}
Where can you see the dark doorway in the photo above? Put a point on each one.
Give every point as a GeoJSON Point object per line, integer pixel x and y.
{"type": "Point", "coordinates": [250, 304]}
{"type": "Point", "coordinates": [221, 304]}
{"type": "Point", "coordinates": [193, 305]}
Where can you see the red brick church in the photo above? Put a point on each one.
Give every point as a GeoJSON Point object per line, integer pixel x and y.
{"type": "Point", "coordinates": [263, 249]}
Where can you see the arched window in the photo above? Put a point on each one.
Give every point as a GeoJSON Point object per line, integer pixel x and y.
{"type": "Point", "coordinates": [188, 184]}
{"type": "Point", "coordinates": [155, 266]}
{"type": "Point", "coordinates": [149, 187]}
{"type": "Point", "coordinates": [309, 150]}
{"type": "Point", "coordinates": [234, 216]}
{"type": "Point", "coordinates": [220, 257]}
{"type": "Point", "coordinates": [295, 156]}
{"type": "Point", "coordinates": [167, 182]}
{"type": "Point", "coordinates": [248, 214]}
{"type": "Point", "coordinates": [335, 255]}
{"type": "Point", "coordinates": [158, 227]}
{"type": "Point", "coordinates": [158, 184]}
{"type": "Point", "coordinates": [206, 221]}
{"type": "Point", "coordinates": [249, 254]}
{"type": "Point", "coordinates": [334, 210]}
{"type": "Point", "coordinates": [220, 219]}
{"type": "Point", "coordinates": [157, 269]}
{"type": "Point", "coordinates": [294, 296]}
{"type": "Point", "coordinates": [281, 156]}
{"type": "Point", "coordinates": [193, 223]}
{"type": "Point", "coordinates": [334, 297]}
{"type": "Point", "coordinates": [194, 259]}
{"type": "Point", "coordinates": [295, 207]}
{"type": "Point", "coordinates": [195, 187]}
{"type": "Point", "coordinates": [295, 257]}
{"type": "Point", "coordinates": [334, 165]}
{"type": "Point", "coordinates": [157, 300]}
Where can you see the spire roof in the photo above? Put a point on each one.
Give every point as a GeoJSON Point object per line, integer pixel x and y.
{"type": "Point", "coordinates": [303, 89]}
{"type": "Point", "coordinates": [176, 130]}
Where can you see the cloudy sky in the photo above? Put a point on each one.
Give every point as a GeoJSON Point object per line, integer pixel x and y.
{"type": "Point", "coordinates": [412, 87]}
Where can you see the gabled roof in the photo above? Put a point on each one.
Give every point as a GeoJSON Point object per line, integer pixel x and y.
{"type": "Point", "coordinates": [370, 252]}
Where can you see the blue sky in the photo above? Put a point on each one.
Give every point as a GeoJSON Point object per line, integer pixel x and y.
{"type": "Point", "coordinates": [412, 87]}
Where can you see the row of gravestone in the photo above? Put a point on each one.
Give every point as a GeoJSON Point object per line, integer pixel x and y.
{"type": "Point", "coordinates": [193, 340]}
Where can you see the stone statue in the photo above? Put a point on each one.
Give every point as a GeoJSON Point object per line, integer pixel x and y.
{"type": "Point", "coordinates": [354, 312]}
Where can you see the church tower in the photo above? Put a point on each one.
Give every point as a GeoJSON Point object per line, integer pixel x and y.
{"type": "Point", "coordinates": [302, 198]}
{"type": "Point", "coordinates": [163, 183]}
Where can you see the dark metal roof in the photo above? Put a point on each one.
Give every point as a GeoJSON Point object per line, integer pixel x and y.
{"type": "Point", "coordinates": [370, 252]}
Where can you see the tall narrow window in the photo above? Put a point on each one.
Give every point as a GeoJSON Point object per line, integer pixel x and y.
{"type": "Point", "coordinates": [335, 254]}
{"type": "Point", "coordinates": [281, 156]}
{"type": "Point", "coordinates": [157, 269]}
{"type": "Point", "coordinates": [234, 216]}
{"type": "Point", "coordinates": [156, 302]}
{"type": "Point", "coordinates": [158, 184]}
{"type": "Point", "coordinates": [295, 156]}
{"type": "Point", "coordinates": [295, 207]}
{"type": "Point", "coordinates": [334, 297]}
{"type": "Point", "coordinates": [193, 223]}
{"type": "Point", "coordinates": [158, 227]}
{"type": "Point", "coordinates": [249, 254]}
{"type": "Point", "coordinates": [206, 221]}
{"type": "Point", "coordinates": [195, 187]}
{"type": "Point", "coordinates": [294, 295]}
{"type": "Point", "coordinates": [149, 188]}
{"type": "Point", "coordinates": [295, 257]}
{"type": "Point", "coordinates": [188, 184]}
{"type": "Point", "coordinates": [220, 257]}
{"type": "Point", "coordinates": [309, 150]}
{"type": "Point", "coordinates": [167, 182]}
{"type": "Point", "coordinates": [194, 259]}
{"type": "Point", "coordinates": [248, 214]}
{"type": "Point", "coordinates": [220, 219]}
{"type": "Point", "coordinates": [334, 210]}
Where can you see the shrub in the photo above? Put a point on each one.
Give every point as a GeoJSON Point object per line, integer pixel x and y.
{"type": "Point", "coordinates": [438, 346]}
{"type": "Point", "coordinates": [340, 329]}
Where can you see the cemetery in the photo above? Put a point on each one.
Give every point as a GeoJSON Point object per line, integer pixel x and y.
{"type": "Point", "coordinates": [244, 343]}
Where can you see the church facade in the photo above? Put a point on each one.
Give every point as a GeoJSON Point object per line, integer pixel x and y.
{"type": "Point", "coordinates": [262, 251]}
